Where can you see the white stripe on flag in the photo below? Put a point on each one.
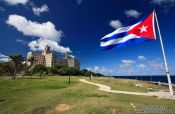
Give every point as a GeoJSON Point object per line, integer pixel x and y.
{"type": "Point", "coordinates": [119, 40]}
{"type": "Point", "coordinates": [120, 30]}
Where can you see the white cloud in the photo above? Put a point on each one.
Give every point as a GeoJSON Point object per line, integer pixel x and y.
{"type": "Point", "coordinates": [72, 56]}
{"type": "Point", "coordinates": [38, 45]}
{"type": "Point", "coordinates": [46, 32]}
{"type": "Point", "coordinates": [165, 5]}
{"type": "Point", "coordinates": [156, 64]}
{"type": "Point", "coordinates": [16, 2]}
{"type": "Point", "coordinates": [115, 24]}
{"type": "Point", "coordinates": [27, 27]}
{"type": "Point", "coordinates": [129, 70]}
{"type": "Point", "coordinates": [141, 57]}
{"type": "Point", "coordinates": [90, 69]}
{"type": "Point", "coordinates": [129, 67]}
{"type": "Point", "coordinates": [102, 70]}
{"type": "Point", "coordinates": [98, 69]}
{"type": "Point", "coordinates": [4, 58]}
{"type": "Point", "coordinates": [126, 63]}
{"type": "Point", "coordinates": [125, 71]}
{"type": "Point", "coordinates": [21, 41]}
{"type": "Point", "coordinates": [160, 2]}
{"type": "Point", "coordinates": [132, 13]}
{"type": "Point", "coordinates": [141, 66]}
{"type": "Point", "coordinates": [38, 10]}
{"type": "Point", "coordinates": [79, 1]}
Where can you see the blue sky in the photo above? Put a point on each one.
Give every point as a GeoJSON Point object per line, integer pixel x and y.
{"type": "Point", "coordinates": [77, 26]}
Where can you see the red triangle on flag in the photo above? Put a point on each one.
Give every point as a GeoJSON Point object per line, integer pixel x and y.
{"type": "Point", "coordinates": [145, 28]}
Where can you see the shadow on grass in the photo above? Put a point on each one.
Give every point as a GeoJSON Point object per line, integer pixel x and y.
{"type": "Point", "coordinates": [37, 78]}
{"type": "Point", "coordinates": [22, 78]}
{"type": "Point", "coordinates": [2, 100]}
{"type": "Point", "coordinates": [38, 110]}
{"type": "Point", "coordinates": [27, 77]}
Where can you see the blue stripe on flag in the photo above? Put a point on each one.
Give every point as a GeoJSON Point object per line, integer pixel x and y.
{"type": "Point", "coordinates": [131, 41]}
{"type": "Point", "coordinates": [122, 34]}
{"type": "Point", "coordinates": [115, 36]}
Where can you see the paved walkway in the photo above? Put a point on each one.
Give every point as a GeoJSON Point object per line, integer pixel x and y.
{"type": "Point", "coordinates": [163, 95]}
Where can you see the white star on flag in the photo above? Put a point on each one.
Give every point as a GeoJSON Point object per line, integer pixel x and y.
{"type": "Point", "coordinates": [143, 29]}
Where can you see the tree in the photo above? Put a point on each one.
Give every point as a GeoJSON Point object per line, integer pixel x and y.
{"type": "Point", "coordinates": [74, 71]}
{"type": "Point", "coordinates": [15, 59]}
{"type": "Point", "coordinates": [83, 72]}
{"type": "Point", "coordinates": [1, 70]}
{"type": "Point", "coordinates": [7, 68]}
{"type": "Point", "coordinates": [41, 69]}
{"type": "Point", "coordinates": [86, 72]}
{"type": "Point", "coordinates": [63, 70]}
{"type": "Point", "coordinates": [99, 74]}
{"type": "Point", "coordinates": [59, 67]}
{"type": "Point", "coordinates": [52, 70]}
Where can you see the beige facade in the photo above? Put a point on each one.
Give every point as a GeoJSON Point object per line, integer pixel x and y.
{"type": "Point", "coordinates": [73, 63]}
{"type": "Point", "coordinates": [38, 58]}
{"type": "Point", "coordinates": [50, 59]}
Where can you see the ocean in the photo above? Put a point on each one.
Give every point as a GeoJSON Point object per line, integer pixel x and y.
{"type": "Point", "coordinates": [148, 78]}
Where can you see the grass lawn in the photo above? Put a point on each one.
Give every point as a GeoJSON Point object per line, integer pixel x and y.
{"type": "Point", "coordinates": [41, 96]}
{"type": "Point", "coordinates": [129, 85]}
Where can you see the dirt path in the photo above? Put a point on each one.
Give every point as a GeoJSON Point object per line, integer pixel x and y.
{"type": "Point", "coordinates": [164, 95]}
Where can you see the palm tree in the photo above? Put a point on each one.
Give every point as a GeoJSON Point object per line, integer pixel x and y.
{"type": "Point", "coordinates": [31, 60]}
{"type": "Point", "coordinates": [15, 59]}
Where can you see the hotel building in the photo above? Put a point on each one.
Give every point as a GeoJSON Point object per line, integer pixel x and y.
{"type": "Point", "coordinates": [50, 59]}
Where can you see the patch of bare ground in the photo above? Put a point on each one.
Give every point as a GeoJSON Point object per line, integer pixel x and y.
{"type": "Point", "coordinates": [62, 107]}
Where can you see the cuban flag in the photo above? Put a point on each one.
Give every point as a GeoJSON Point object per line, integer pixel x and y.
{"type": "Point", "coordinates": [137, 32]}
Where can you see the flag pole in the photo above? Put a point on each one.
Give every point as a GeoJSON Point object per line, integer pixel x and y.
{"type": "Point", "coordinates": [164, 57]}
